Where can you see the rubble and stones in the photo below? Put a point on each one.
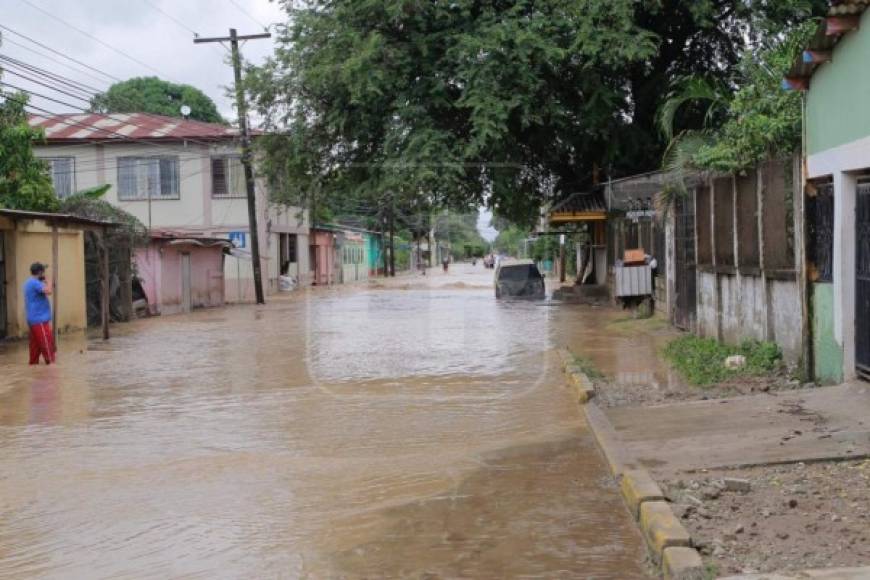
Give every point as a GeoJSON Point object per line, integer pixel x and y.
{"type": "Point", "coordinates": [778, 518]}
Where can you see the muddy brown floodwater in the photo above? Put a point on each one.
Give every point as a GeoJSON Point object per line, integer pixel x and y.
{"type": "Point", "coordinates": [410, 429]}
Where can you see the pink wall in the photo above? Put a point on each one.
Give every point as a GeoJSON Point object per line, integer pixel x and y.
{"type": "Point", "coordinates": [159, 267]}
{"type": "Point", "coordinates": [325, 243]}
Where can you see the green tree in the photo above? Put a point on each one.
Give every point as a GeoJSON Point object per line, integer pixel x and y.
{"type": "Point", "coordinates": [464, 101]}
{"type": "Point", "coordinates": [24, 180]}
{"type": "Point", "coordinates": [154, 95]}
{"type": "Point", "coordinates": [507, 102]}
{"type": "Point", "coordinates": [755, 118]}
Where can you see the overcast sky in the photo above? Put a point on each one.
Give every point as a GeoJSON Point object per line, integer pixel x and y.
{"type": "Point", "coordinates": [163, 43]}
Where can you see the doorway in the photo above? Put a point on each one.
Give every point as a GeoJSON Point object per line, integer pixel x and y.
{"type": "Point", "coordinates": [186, 298]}
{"type": "Point", "coordinates": [862, 280]}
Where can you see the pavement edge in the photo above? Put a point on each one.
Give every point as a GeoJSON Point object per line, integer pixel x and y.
{"type": "Point", "coordinates": [668, 541]}
{"type": "Point", "coordinates": [584, 388]}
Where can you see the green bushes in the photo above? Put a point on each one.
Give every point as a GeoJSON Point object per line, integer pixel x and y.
{"type": "Point", "coordinates": [701, 361]}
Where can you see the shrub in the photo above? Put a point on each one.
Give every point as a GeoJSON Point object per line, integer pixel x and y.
{"type": "Point", "coordinates": [701, 361]}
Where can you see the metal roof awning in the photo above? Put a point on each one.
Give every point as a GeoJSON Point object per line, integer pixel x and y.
{"type": "Point", "coordinates": [579, 207]}
{"type": "Point", "coordinates": [55, 218]}
{"type": "Point", "coordinates": [843, 17]}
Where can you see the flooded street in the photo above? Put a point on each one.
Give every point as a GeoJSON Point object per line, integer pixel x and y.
{"type": "Point", "coordinates": [412, 428]}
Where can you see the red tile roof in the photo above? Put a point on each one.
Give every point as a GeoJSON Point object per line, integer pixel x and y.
{"type": "Point", "coordinates": [107, 127]}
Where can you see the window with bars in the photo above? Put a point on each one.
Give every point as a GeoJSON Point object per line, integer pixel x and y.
{"type": "Point", "coordinates": [820, 233]}
{"type": "Point", "coordinates": [227, 177]}
{"type": "Point", "coordinates": [148, 178]}
{"type": "Point", "coordinates": [63, 177]}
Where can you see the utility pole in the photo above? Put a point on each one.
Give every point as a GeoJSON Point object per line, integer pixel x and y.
{"type": "Point", "coordinates": [242, 110]}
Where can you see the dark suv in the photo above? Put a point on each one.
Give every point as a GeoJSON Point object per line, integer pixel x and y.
{"type": "Point", "coordinates": [518, 279]}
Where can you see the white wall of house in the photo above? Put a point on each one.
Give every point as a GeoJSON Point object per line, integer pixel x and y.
{"type": "Point", "coordinates": [186, 202]}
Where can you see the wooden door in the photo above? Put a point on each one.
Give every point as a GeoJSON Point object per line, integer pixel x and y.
{"type": "Point", "coordinates": [186, 298]}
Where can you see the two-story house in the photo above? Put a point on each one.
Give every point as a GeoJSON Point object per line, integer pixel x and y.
{"type": "Point", "coordinates": [182, 178]}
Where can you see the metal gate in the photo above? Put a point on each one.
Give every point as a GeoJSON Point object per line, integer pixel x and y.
{"type": "Point", "coordinates": [684, 263]}
{"type": "Point", "coordinates": [862, 281]}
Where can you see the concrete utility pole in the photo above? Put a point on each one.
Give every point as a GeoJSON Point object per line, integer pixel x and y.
{"type": "Point", "coordinates": [242, 109]}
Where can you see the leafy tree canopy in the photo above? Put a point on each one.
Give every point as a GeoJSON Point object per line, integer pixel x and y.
{"type": "Point", "coordinates": [503, 102]}
{"type": "Point", "coordinates": [24, 180]}
{"type": "Point", "coordinates": [154, 95]}
{"type": "Point", "coordinates": [754, 121]}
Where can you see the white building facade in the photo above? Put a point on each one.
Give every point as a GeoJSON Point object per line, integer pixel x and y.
{"type": "Point", "coordinates": [178, 176]}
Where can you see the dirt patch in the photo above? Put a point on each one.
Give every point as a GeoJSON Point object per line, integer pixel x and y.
{"type": "Point", "coordinates": [615, 393]}
{"type": "Point", "coordinates": [778, 518]}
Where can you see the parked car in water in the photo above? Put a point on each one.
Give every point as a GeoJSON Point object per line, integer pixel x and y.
{"type": "Point", "coordinates": [518, 279]}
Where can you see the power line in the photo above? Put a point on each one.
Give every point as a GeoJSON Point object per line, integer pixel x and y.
{"type": "Point", "coordinates": [175, 20]}
{"type": "Point", "coordinates": [91, 36]}
{"type": "Point", "coordinates": [51, 58]}
{"type": "Point", "coordinates": [13, 73]}
{"type": "Point", "coordinates": [249, 15]}
{"type": "Point", "coordinates": [57, 52]}
{"type": "Point", "coordinates": [107, 115]}
{"type": "Point", "coordinates": [171, 17]}
{"type": "Point", "coordinates": [82, 87]}
{"type": "Point", "coordinates": [120, 136]}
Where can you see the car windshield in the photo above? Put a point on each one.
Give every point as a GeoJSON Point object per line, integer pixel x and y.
{"type": "Point", "coordinates": [518, 273]}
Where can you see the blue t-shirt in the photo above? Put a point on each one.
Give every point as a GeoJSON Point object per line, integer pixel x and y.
{"type": "Point", "coordinates": [36, 302]}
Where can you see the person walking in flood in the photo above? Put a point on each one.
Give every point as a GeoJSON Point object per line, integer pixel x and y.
{"type": "Point", "coordinates": [38, 309]}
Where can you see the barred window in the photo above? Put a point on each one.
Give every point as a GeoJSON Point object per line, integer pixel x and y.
{"type": "Point", "coordinates": [62, 171]}
{"type": "Point", "coordinates": [227, 177]}
{"type": "Point", "coordinates": [148, 178]}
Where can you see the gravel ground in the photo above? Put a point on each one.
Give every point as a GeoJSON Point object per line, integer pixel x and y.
{"type": "Point", "coordinates": [615, 394]}
{"type": "Point", "coordinates": [778, 518]}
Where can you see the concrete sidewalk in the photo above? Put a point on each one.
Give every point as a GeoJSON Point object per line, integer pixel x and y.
{"type": "Point", "coordinates": [862, 573]}
{"type": "Point", "coordinates": [806, 425]}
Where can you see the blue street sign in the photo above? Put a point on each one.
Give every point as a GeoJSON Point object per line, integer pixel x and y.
{"type": "Point", "coordinates": [239, 239]}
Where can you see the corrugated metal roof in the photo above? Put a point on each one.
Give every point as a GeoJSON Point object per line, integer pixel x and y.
{"type": "Point", "coordinates": [121, 126]}
{"type": "Point", "coordinates": [824, 39]}
{"type": "Point", "coordinates": [18, 214]}
{"type": "Point", "coordinates": [846, 7]}
{"type": "Point", "coordinates": [581, 202]}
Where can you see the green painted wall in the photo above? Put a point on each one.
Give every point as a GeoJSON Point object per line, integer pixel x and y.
{"type": "Point", "coordinates": [838, 102]}
{"type": "Point", "coordinates": [827, 354]}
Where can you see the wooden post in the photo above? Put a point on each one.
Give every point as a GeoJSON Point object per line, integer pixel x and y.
{"type": "Point", "coordinates": [54, 268]}
{"type": "Point", "coordinates": [126, 276]}
{"type": "Point", "coordinates": [104, 284]}
{"type": "Point", "coordinates": [392, 236]}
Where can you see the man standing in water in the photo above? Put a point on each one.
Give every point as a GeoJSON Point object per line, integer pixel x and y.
{"type": "Point", "coordinates": [38, 308]}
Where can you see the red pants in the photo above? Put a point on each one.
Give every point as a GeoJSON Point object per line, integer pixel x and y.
{"type": "Point", "coordinates": [41, 343]}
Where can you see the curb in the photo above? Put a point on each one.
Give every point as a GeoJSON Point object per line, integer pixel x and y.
{"type": "Point", "coordinates": [584, 388]}
{"type": "Point", "coordinates": [668, 541]}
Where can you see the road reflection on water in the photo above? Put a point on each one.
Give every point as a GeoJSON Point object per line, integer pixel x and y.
{"type": "Point", "coordinates": [411, 428]}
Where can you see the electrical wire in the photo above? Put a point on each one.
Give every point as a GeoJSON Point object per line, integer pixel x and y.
{"type": "Point", "coordinates": [91, 36]}
{"type": "Point", "coordinates": [51, 58]}
{"type": "Point", "coordinates": [84, 89]}
{"type": "Point", "coordinates": [241, 9]}
{"type": "Point", "coordinates": [57, 52]}
{"type": "Point", "coordinates": [177, 21]}
{"type": "Point", "coordinates": [106, 115]}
